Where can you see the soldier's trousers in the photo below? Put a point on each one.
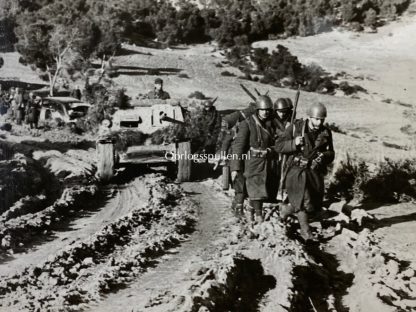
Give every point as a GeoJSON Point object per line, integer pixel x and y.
{"type": "Point", "coordinates": [239, 186]}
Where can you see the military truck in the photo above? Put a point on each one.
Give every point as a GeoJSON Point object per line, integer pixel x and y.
{"type": "Point", "coordinates": [145, 116]}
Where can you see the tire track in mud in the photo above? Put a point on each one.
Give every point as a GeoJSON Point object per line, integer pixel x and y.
{"type": "Point", "coordinates": [162, 288]}
{"type": "Point", "coordinates": [81, 272]}
{"type": "Point", "coordinates": [126, 198]}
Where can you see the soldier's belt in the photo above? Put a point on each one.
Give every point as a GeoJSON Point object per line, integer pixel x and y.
{"type": "Point", "coordinates": [301, 162]}
{"type": "Point", "coordinates": [258, 153]}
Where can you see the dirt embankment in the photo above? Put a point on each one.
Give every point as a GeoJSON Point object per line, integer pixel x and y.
{"type": "Point", "coordinates": [39, 190]}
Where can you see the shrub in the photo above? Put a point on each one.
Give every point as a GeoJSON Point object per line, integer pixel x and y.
{"type": "Point", "coordinates": [226, 73]}
{"type": "Point", "coordinates": [388, 182]}
{"type": "Point", "coordinates": [197, 95]}
{"type": "Point", "coordinates": [183, 75]}
{"type": "Point", "coordinates": [104, 103]}
{"type": "Point", "coordinates": [335, 128]}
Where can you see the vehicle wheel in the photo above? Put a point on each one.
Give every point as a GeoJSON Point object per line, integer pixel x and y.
{"type": "Point", "coordinates": [184, 164]}
{"type": "Point", "coordinates": [105, 164]}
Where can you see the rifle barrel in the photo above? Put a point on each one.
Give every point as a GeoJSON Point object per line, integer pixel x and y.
{"type": "Point", "coordinates": [248, 92]}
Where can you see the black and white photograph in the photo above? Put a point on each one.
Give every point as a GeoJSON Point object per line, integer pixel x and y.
{"type": "Point", "coordinates": [207, 155]}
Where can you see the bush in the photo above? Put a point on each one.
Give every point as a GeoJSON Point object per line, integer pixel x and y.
{"type": "Point", "coordinates": [183, 75]}
{"type": "Point", "coordinates": [226, 73]}
{"type": "Point", "coordinates": [104, 103]}
{"type": "Point", "coordinates": [335, 128]}
{"type": "Point", "coordinates": [196, 129]}
{"type": "Point", "coordinates": [197, 95]}
{"type": "Point", "coordinates": [389, 182]}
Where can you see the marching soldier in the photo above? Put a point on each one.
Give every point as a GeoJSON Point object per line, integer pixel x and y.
{"type": "Point", "coordinates": [255, 139]}
{"type": "Point", "coordinates": [283, 109]}
{"type": "Point", "coordinates": [229, 128]}
{"type": "Point", "coordinates": [211, 122]}
{"type": "Point", "coordinates": [310, 148]}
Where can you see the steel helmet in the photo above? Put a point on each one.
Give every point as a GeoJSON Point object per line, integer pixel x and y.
{"type": "Point", "coordinates": [264, 102]}
{"type": "Point", "coordinates": [208, 104]}
{"type": "Point", "coordinates": [317, 110]}
{"type": "Point", "coordinates": [283, 104]}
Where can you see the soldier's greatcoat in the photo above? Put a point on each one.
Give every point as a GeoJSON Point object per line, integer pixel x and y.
{"type": "Point", "coordinates": [254, 137]}
{"type": "Point", "coordinates": [232, 122]}
{"type": "Point", "coordinates": [302, 179]}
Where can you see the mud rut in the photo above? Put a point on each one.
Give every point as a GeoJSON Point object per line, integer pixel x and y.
{"type": "Point", "coordinates": [155, 289]}
{"type": "Point", "coordinates": [149, 245]}
{"type": "Point", "coordinates": [117, 203]}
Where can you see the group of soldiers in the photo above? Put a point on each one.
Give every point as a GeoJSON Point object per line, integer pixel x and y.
{"type": "Point", "coordinates": [277, 158]}
{"type": "Point", "coordinates": [21, 106]}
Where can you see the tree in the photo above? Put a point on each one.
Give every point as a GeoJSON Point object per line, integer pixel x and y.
{"type": "Point", "coordinates": [65, 34]}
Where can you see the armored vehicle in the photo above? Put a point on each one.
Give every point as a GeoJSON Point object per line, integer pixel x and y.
{"type": "Point", "coordinates": [145, 117]}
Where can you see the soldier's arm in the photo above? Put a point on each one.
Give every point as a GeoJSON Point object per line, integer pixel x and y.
{"type": "Point", "coordinates": [226, 142]}
{"type": "Point", "coordinates": [329, 154]}
{"type": "Point", "coordinates": [285, 143]}
{"type": "Point", "coordinates": [240, 146]}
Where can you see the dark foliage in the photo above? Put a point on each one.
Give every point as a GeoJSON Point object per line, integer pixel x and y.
{"type": "Point", "coordinates": [196, 130]}
{"type": "Point", "coordinates": [281, 68]}
{"type": "Point", "coordinates": [105, 102]}
{"type": "Point", "coordinates": [335, 128]}
{"type": "Point", "coordinates": [389, 182]}
{"type": "Point", "coordinates": [226, 73]}
{"type": "Point", "coordinates": [197, 95]}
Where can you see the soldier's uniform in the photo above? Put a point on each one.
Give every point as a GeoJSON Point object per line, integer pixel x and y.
{"type": "Point", "coordinates": [211, 122]}
{"type": "Point", "coordinates": [254, 138]}
{"type": "Point", "coordinates": [158, 92]}
{"type": "Point", "coordinates": [307, 165]}
{"type": "Point", "coordinates": [230, 125]}
{"type": "Point", "coordinates": [154, 94]}
{"type": "Point", "coordinates": [283, 108]}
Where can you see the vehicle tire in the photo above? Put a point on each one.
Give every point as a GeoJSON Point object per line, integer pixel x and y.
{"type": "Point", "coordinates": [184, 164]}
{"type": "Point", "coordinates": [225, 178]}
{"type": "Point", "coordinates": [105, 164]}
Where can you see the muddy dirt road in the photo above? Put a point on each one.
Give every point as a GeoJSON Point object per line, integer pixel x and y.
{"type": "Point", "coordinates": [162, 288]}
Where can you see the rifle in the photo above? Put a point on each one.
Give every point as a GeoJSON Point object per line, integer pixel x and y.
{"type": "Point", "coordinates": [284, 160]}
{"type": "Point", "coordinates": [248, 92]}
{"type": "Point", "coordinates": [214, 100]}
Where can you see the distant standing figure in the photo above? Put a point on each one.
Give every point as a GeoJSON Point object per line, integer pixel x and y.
{"type": "Point", "coordinates": [76, 93]}
{"type": "Point", "coordinates": [211, 122]}
{"type": "Point", "coordinates": [20, 106]}
{"type": "Point", "coordinates": [158, 92]}
{"type": "Point", "coordinates": [33, 112]}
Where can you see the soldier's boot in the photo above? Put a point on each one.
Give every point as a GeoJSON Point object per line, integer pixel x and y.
{"type": "Point", "coordinates": [251, 216]}
{"type": "Point", "coordinates": [233, 206]}
{"type": "Point", "coordinates": [285, 211]}
{"type": "Point", "coordinates": [258, 208]}
{"type": "Point", "coordinates": [305, 231]}
{"type": "Point", "coordinates": [239, 211]}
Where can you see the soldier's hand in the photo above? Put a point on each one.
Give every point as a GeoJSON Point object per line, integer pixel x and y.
{"type": "Point", "coordinates": [299, 141]}
{"type": "Point", "coordinates": [233, 175]}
